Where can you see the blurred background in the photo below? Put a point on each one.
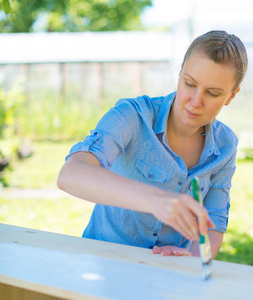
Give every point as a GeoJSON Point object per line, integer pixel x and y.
{"type": "Point", "coordinates": [63, 64]}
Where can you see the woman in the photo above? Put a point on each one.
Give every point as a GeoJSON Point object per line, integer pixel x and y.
{"type": "Point", "coordinates": [138, 163]}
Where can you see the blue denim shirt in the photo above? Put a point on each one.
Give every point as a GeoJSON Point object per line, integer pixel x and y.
{"type": "Point", "coordinates": [130, 140]}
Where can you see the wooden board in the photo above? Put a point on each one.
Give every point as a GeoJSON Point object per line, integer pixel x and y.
{"type": "Point", "coordinates": [8, 292]}
{"type": "Point", "coordinates": [75, 268]}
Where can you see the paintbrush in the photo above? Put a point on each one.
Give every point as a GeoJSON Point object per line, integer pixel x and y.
{"type": "Point", "coordinates": [204, 243]}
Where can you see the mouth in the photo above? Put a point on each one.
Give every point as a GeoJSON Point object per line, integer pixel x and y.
{"type": "Point", "coordinates": [191, 114]}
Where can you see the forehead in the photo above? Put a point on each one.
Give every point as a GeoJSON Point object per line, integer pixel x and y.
{"type": "Point", "coordinates": [206, 71]}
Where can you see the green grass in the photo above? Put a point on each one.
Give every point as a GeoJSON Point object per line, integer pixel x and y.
{"type": "Point", "coordinates": [42, 168]}
{"type": "Point", "coordinates": [70, 215]}
{"type": "Point", "coordinates": [238, 240]}
{"type": "Point", "coordinates": [61, 215]}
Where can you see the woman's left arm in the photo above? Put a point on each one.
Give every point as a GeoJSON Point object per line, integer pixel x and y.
{"type": "Point", "coordinates": [217, 203]}
{"type": "Point", "coordinates": [215, 238]}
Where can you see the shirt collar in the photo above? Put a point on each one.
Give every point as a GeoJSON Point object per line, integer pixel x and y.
{"type": "Point", "coordinates": [161, 124]}
{"type": "Point", "coordinates": [210, 141]}
{"type": "Point", "coordinates": [162, 116]}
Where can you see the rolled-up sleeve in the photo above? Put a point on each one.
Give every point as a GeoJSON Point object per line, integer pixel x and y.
{"type": "Point", "coordinates": [113, 133]}
{"type": "Point", "coordinates": [217, 200]}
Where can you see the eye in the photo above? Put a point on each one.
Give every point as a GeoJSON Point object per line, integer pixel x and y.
{"type": "Point", "coordinates": [212, 95]}
{"type": "Point", "coordinates": [188, 84]}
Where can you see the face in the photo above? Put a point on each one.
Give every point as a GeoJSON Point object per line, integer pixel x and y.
{"type": "Point", "coordinates": [204, 87]}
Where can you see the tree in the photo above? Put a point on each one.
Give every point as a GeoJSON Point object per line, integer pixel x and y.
{"type": "Point", "coordinates": [72, 15]}
{"type": "Point", "coordinates": [6, 5]}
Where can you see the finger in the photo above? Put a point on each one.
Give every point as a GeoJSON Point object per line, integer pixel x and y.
{"type": "Point", "coordinates": [171, 250]}
{"type": "Point", "coordinates": [203, 220]}
{"type": "Point", "coordinates": [157, 250]}
{"type": "Point", "coordinates": [181, 252]}
{"type": "Point", "coordinates": [207, 222]}
{"type": "Point", "coordinates": [182, 227]}
{"type": "Point", "coordinates": [177, 219]}
{"type": "Point", "coordinates": [200, 212]}
{"type": "Point", "coordinates": [190, 223]}
{"type": "Point", "coordinates": [168, 250]}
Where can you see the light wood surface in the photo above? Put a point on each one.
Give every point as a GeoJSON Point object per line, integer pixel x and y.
{"type": "Point", "coordinates": [58, 266]}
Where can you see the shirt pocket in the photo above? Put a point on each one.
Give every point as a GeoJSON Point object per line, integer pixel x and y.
{"type": "Point", "coordinates": [204, 185]}
{"type": "Point", "coordinates": [152, 174]}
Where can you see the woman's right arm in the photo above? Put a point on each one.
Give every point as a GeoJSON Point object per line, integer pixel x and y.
{"type": "Point", "coordinates": [83, 177]}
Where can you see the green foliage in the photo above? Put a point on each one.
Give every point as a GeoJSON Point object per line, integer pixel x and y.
{"type": "Point", "coordinates": [2, 112]}
{"type": "Point", "coordinates": [4, 162]}
{"type": "Point", "coordinates": [73, 15]}
{"type": "Point", "coordinates": [49, 118]}
{"type": "Point", "coordinates": [9, 115]}
{"type": "Point", "coordinates": [10, 105]}
{"type": "Point", "coordinates": [6, 5]}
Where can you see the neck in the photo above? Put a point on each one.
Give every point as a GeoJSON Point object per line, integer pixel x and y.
{"type": "Point", "coordinates": [175, 128]}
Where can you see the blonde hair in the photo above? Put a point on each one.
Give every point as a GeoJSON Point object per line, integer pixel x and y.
{"type": "Point", "coordinates": [223, 48]}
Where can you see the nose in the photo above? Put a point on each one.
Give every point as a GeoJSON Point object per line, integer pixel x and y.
{"type": "Point", "coordinates": [197, 99]}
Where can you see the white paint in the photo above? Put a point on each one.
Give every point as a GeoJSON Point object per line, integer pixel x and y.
{"type": "Point", "coordinates": [121, 280]}
{"type": "Point", "coordinates": [107, 278]}
{"type": "Point", "coordinates": [76, 268]}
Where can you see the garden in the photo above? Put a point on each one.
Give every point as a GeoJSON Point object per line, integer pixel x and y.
{"type": "Point", "coordinates": [34, 140]}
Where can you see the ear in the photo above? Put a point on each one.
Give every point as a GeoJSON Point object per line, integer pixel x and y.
{"type": "Point", "coordinates": [232, 96]}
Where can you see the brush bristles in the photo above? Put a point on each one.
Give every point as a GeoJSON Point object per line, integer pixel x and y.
{"type": "Point", "coordinates": [207, 270]}
{"type": "Point", "coordinates": [206, 256]}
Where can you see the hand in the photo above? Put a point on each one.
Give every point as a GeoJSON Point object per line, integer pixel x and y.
{"type": "Point", "coordinates": [183, 213]}
{"type": "Point", "coordinates": [171, 250]}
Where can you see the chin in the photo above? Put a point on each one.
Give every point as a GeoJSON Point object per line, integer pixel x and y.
{"type": "Point", "coordinates": [192, 123]}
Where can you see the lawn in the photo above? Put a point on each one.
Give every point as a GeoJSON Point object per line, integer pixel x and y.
{"type": "Point", "coordinates": [60, 214]}
{"type": "Point", "coordinates": [42, 168]}
{"type": "Point", "coordinates": [69, 215]}
{"type": "Point", "coordinates": [238, 240]}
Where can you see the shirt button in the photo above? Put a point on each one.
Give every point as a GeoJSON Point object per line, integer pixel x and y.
{"type": "Point", "coordinates": [154, 234]}
{"type": "Point", "coordinates": [150, 176]}
{"type": "Point", "coordinates": [151, 247]}
{"type": "Point", "coordinates": [180, 183]}
{"type": "Point", "coordinates": [202, 189]}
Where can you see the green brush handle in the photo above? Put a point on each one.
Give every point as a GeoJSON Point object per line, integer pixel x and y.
{"type": "Point", "coordinates": [197, 195]}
